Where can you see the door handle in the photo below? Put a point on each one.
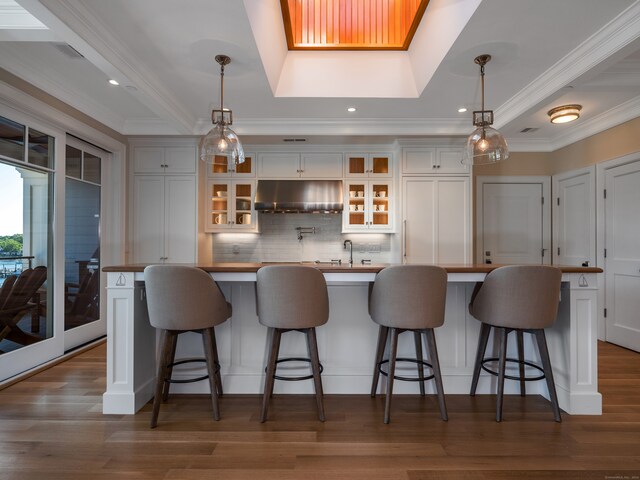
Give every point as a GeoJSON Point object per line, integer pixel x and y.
{"type": "Point", "coordinates": [404, 238]}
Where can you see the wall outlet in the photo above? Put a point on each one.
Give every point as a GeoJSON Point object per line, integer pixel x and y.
{"type": "Point", "coordinates": [235, 249]}
{"type": "Point", "coordinates": [374, 248]}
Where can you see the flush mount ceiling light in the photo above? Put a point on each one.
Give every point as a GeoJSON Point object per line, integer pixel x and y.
{"type": "Point", "coordinates": [113, 82]}
{"type": "Point", "coordinates": [221, 145]}
{"type": "Point", "coordinates": [485, 145]}
{"type": "Point", "coordinates": [351, 109]}
{"type": "Point", "coordinates": [462, 110]}
{"type": "Point", "coordinates": [564, 113]}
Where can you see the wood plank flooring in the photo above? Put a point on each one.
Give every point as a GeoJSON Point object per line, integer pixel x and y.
{"type": "Point", "coordinates": [51, 426]}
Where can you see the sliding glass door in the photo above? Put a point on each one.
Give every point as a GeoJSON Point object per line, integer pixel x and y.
{"type": "Point", "coordinates": [82, 282]}
{"type": "Point", "coordinates": [27, 262]}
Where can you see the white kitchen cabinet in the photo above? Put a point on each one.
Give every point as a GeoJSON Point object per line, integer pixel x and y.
{"type": "Point", "coordinates": [368, 206]}
{"type": "Point", "coordinates": [433, 160]}
{"type": "Point", "coordinates": [321, 165]}
{"type": "Point", "coordinates": [164, 219]}
{"type": "Point", "coordinates": [295, 165]}
{"type": "Point", "coordinates": [436, 225]}
{"type": "Point", "coordinates": [230, 206]}
{"type": "Point", "coordinates": [166, 160]}
{"type": "Point", "coordinates": [365, 165]}
{"type": "Point", "coordinates": [221, 169]}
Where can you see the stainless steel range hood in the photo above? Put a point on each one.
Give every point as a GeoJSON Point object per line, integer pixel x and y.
{"type": "Point", "coordinates": [299, 196]}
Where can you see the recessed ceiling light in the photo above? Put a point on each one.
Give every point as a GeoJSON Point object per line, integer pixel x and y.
{"type": "Point", "coordinates": [113, 82]}
{"type": "Point", "coordinates": [462, 110]}
{"type": "Point", "coordinates": [351, 109]}
{"type": "Point", "coordinates": [564, 113]}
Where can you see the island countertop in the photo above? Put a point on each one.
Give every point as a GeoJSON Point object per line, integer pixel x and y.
{"type": "Point", "coordinates": [344, 268]}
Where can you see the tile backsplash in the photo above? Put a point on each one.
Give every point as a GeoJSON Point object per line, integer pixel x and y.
{"type": "Point", "coordinates": [278, 241]}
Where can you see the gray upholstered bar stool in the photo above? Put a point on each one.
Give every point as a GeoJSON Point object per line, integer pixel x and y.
{"type": "Point", "coordinates": [519, 298]}
{"type": "Point", "coordinates": [184, 299]}
{"type": "Point", "coordinates": [292, 298]}
{"type": "Point", "coordinates": [408, 298]}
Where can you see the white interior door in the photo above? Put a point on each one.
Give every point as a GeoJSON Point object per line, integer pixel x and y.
{"type": "Point", "coordinates": [622, 260]}
{"type": "Point", "coordinates": [512, 225]}
{"type": "Point", "coordinates": [575, 218]}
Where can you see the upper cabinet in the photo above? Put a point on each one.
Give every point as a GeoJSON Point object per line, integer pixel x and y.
{"type": "Point", "coordinates": [368, 207]}
{"type": "Point", "coordinates": [152, 159]}
{"type": "Point", "coordinates": [221, 169]}
{"type": "Point", "coordinates": [433, 160]}
{"type": "Point", "coordinates": [368, 165]}
{"type": "Point", "coordinates": [230, 206]}
{"type": "Point", "coordinates": [295, 165]}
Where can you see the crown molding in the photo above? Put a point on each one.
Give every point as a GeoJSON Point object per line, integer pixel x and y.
{"type": "Point", "coordinates": [530, 145]}
{"type": "Point", "coordinates": [76, 25]}
{"type": "Point", "coordinates": [28, 71]}
{"type": "Point", "coordinates": [13, 16]}
{"type": "Point", "coordinates": [329, 126]}
{"type": "Point", "coordinates": [148, 126]}
{"type": "Point", "coordinates": [611, 38]}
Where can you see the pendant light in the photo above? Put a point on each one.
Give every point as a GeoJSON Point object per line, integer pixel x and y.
{"type": "Point", "coordinates": [485, 145]}
{"type": "Point", "coordinates": [221, 145]}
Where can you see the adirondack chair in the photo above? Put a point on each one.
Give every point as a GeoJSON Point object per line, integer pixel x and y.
{"type": "Point", "coordinates": [82, 306]}
{"type": "Point", "coordinates": [16, 300]}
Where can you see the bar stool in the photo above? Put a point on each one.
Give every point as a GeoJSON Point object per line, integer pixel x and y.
{"type": "Point", "coordinates": [408, 298]}
{"type": "Point", "coordinates": [292, 298]}
{"type": "Point", "coordinates": [522, 298]}
{"type": "Point", "coordinates": [184, 299]}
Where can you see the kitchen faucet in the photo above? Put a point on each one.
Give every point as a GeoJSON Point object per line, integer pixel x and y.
{"type": "Point", "coordinates": [350, 251]}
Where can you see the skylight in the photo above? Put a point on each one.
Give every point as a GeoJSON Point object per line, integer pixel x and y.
{"type": "Point", "coordinates": [351, 24]}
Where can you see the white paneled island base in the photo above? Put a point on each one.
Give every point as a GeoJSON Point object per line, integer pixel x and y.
{"type": "Point", "coordinates": [346, 343]}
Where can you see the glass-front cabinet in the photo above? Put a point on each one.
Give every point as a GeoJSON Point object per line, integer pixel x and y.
{"type": "Point", "coordinates": [221, 168]}
{"type": "Point", "coordinates": [368, 165]}
{"type": "Point", "coordinates": [368, 207]}
{"type": "Point", "coordinates": [230, 206]}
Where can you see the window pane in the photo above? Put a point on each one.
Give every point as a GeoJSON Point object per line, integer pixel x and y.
{"type": "Point", "coordinates": [82, 253]}
{"type": "Point", "coordinates": [11, 139]}
{"type": "Point", "coordinates": [74, 162]}
{"type": "Point", "coordinates": [40, 149]}
{"type": "Point", "coordinates": [91, 168]}
{"type": "Point", "coordinates": [26, 243]}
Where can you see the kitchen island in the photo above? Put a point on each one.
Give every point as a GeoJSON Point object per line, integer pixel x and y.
{"type": "Point", "coordinates": [347, 342]}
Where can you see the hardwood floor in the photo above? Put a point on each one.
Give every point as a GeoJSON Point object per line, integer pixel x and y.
{"type": "Point", "coordinates": [51, 426]}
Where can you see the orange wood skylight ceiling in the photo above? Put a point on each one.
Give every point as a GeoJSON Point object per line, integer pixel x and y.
{"type": "Point", "coordinates": [351, 24]}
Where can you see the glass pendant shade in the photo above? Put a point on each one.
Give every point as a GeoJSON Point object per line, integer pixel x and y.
{"type": "Point", "coordinates": [485, 145]}
{"type": "Point", "coordinates": [221, 145]}
{"type": "Point", "coordinates": [220, 142]}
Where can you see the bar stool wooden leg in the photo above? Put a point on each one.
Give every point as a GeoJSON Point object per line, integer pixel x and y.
{"type": "Point", "coordinates": [211, 369]}
{"type": "Point", "coordinates": [212, 334]}
{"type": "Point", "coordinates": [271, 370]}
{"type": "Point", "coordinates": [171, 359]}
{"type": "Point", "coordinates": [435, 363]}
{"type": "Point", "coordinates": [520, 337]}
{"type": "Point", "coordinates": [315, 366]}
{"type": "Point", "coordinates": [383, 333]}
{"type": "Point", "coordinates": [417, 338]}
{"type": "Point", "coordinates": [502, 361]}
{"type": "Point", "coordinates": [392, 370]}
{"type": "Point", "coordinates": [165, 341]}
{"type": "Point", "coordinates": [548, 373]}
{"type": "Point", "coordinates": [483, 339]}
